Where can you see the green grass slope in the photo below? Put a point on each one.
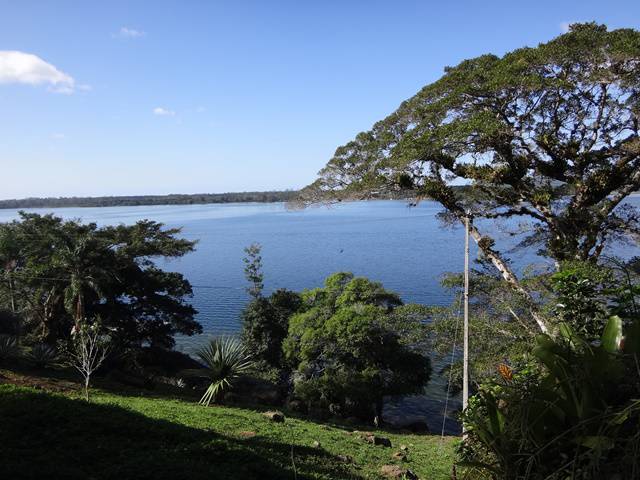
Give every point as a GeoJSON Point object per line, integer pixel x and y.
{"type": "Point", "coordinates": [50, 435]}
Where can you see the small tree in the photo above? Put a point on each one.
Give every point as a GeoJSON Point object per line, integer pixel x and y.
{"type": "Point", "coordinates": [253, 270]}
{"type": "Point", "coordinates": [352, 343]}
{"type": "Point", "coordinates": [88, 349]}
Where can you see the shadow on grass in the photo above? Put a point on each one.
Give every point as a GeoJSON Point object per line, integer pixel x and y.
{"type": "Point", "coordinates": [52, 436]}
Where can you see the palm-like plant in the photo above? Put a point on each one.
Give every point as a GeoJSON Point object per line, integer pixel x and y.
{"type": "Point", "coordinates": [9, 347]}
{"type": "Point", "coordinates": [224, 359]}
{"type": "Point", "coordinates": [42, 355]}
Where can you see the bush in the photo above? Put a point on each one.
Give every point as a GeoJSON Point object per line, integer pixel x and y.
{"type": "Point", "coordinates": [265, 322]}
{"type": "Point", "coordinates": [351, 344]}
{"type": "Point", "coordinates": [42, 355]}
{"type": "Point", "coordinates": [9, 348]}
{"type": "Point", "coordinates": [224, 360]}
{"type": "Point", "coordinates": [573, 412]}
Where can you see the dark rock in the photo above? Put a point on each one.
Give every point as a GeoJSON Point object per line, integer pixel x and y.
{"type": "Point", "coordinates": [275, 416]}
{"type": "Point", "coordinates": [400, 456]}
{"type": "Point", "coordinates": [376, 440]}
{"type": "Point", "coordinates": [345, 458]}
{"type": "Point", "coordinates": [395, 471]}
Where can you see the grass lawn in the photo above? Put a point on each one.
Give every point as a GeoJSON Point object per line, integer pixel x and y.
{"type": "Point", "coordinates": [132, 436]}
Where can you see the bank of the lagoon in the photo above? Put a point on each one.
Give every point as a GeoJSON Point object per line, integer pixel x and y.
{"type": "Point", "coordinates": [406, 248]}
{"type": "Point", "coordinates": [134, 436]}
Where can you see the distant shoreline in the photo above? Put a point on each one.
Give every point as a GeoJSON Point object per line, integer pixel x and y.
{"type": "Point", "coordinates": [148, 200]}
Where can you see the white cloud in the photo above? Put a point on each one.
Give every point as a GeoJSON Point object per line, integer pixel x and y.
{"type": "Point", "coordinates": [58, 136]}
{"type": "Point", "coordinates": [127, 32]}
{"type": "Point", "coordinates": [29, 69]}
{"type": "Point", "coordinates": [163, 112]}
{"type": "Point", "coordinates": [200, 109]}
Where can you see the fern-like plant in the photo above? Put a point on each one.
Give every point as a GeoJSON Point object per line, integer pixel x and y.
{"type": "Point", "coordinates": [9, 347]}
{"type": "Point", "coordinates": [42, 355]}
{"type": "Point", "coordinates": [224, 359]}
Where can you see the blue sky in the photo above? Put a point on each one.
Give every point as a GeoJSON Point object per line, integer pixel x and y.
{"type": "Point", "coordinates": [113, 98]}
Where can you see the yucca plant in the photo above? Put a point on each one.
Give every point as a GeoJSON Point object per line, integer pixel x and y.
{"type": "Point", "coordinates": [224, 359]}
{"type": "Point", "coordinates": [9, 347]}
{"type": "Point", "coordinates": [42, 355]}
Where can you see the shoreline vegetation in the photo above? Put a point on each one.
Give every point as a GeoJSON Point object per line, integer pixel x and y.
{"type": "Point", "coordinates": [272, 196]}
{"type": "Point", "coordinates": [148, 200]}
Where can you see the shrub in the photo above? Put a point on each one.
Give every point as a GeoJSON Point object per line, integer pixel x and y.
{"type": "Point", "coordinates": [224, 360]}
{"type": "Point", "coordinates": [573, 412]}
{"type": "Point", "coordinates": [351, 344]}
{"type": "Point", "coordinates": [9, 348]}
{"type": "Point", "coordinates": [42, 355]}
{"type": "Point", "coordinates": [265, 322]}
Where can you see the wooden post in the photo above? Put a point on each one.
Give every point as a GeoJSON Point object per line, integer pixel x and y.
{"type": "Point", "coordinates": [465, 358]}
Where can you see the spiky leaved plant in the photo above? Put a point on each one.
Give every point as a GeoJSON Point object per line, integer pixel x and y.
{"type": "Point", "coordinates": [224, 359]}
{"type": "Point", "coordinates": [42, 355]}
{"type": "Point", "coordinates": [9, 347]}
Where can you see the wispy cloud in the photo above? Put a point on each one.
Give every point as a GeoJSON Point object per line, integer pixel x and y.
{"type": "Point", "coordinates": [58, 136]}
{"type": "Point", "coordinates": [128, 32]}
{"type": "Point", "coordinates": [29, 69]}
{"type": "Point", "coordinates": [163, 112]}
{"type": "Point", "coordinates": [200, 109]}
{"type": "Point", "coordinates": [565, 26]}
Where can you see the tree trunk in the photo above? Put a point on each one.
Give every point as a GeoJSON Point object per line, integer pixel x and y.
{"type": "Point", "coordinates": [86, 388]}
{"type": "Point", "coordinates": [506, 273]}
{"type": "Point", "coordinates": [13, 300]}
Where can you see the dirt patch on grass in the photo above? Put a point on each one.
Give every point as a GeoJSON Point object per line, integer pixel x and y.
{"type": "Point", "coordinates": [38, 382]}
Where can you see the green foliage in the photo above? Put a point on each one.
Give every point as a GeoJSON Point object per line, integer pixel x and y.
{"type": "Point", "coordinates": [265, 323]}
{"type": "Point", "coordinates": [136, 200]}
{"type": "Point", "coordinates": [253, 270]}
{"type": "Point", "coordinates": [581, 289]}
{"type": "Point", "coordinates": [9, 348]}
{"type": "Point", "coordinates": [42, 355]}
{"type": "Point", "coordinates": [571, 412]}
{"type": "Point", "coordinates": [352, 343]}
{"type": "Point", "coordinates": [499, 321]}
{"type": "Point", "coordinates": [547, 135]}
{"type": "Point", "coordinates": [64, 271]}
{"type": "Point", "coordinates": [224, 360]}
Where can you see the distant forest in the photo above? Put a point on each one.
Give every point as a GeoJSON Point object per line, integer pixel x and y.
{"type": "Point", "coordinates": [173, 199]}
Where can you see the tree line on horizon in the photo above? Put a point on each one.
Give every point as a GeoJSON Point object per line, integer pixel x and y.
{"type": "Point", "coordinates": [140, 200]}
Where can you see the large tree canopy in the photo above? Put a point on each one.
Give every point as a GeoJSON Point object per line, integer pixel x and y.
{"type": "Point", "coordinates": [549, 133]}
{"type": "Point", "coordinates": [60, 273]}
{"type": "Point", "coordinates": [352, 342]}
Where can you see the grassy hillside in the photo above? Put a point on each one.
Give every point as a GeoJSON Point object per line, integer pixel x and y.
{"type": "Point", "coordinates": [47, 435]}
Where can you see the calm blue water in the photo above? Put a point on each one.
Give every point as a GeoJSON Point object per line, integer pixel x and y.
{"type": "Point", "coordinates": [407, 249]}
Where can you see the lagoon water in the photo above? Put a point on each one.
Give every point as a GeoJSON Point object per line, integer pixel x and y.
{"type": "Point", "coordinates": [406, 248]}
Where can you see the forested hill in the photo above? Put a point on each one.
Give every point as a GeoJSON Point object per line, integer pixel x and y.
{"type": "Point", "coordinates": [173, 199]}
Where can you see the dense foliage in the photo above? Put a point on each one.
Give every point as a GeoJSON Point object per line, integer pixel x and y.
{"type": "Point", "coordinates": [548, 134]}
{"type": "Point", "coordinates": [174, 199]}
{"type": "Point", "coordinates": [351, 343]}
{"type": "Point", "coordinates": [571, 412]}
{"type": "Point", "coordinates": [265, 324]}
{"type": "Point", "coordinates": [265, 320]}
{"type": "Point", "coordinates": [58, 273]}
